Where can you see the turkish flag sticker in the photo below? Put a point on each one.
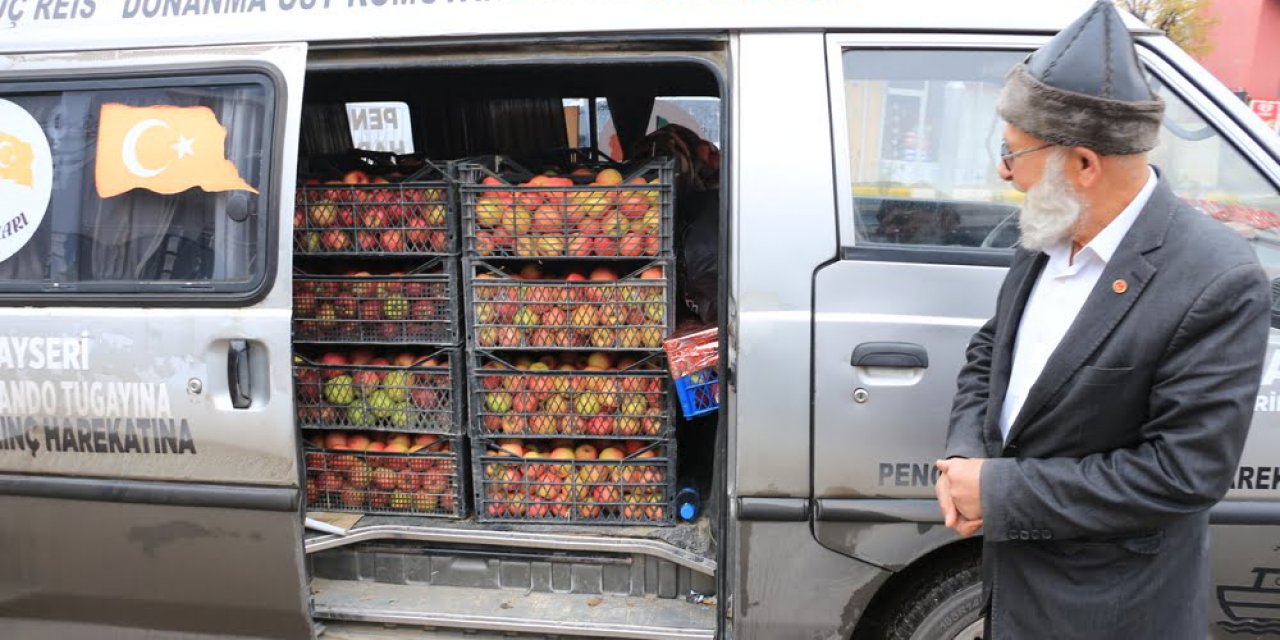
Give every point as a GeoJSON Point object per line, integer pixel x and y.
{"type": "Point", "coordinates": [164, 149]}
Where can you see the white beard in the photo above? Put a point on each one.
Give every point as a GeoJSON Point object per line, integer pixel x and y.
{"type": "Point", "coordinates": [1051, 210]}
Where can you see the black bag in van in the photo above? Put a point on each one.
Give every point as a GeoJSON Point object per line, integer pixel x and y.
{"type": "Point", "coordinates": [697, 247]}
{"type": "Point", "coordinates": [698, 253]}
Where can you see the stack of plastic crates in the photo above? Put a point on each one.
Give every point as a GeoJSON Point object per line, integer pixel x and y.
{"type": "Point", "coordinates": [569, 293]}
{"type": "Point", "coordinates": [378, 365]}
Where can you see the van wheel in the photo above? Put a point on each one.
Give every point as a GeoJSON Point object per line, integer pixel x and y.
{"type": "Point", "coordinates": [946, 606]}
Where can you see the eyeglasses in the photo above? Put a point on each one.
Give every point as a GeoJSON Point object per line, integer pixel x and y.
{"type": "Point", "coordinates": [1007, 155]}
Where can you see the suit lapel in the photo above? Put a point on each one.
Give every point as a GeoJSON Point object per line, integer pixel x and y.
{"type": "Point", "coordinates": [1105, 307]}
{"type": "Point", "coordinates": [1026, 271]}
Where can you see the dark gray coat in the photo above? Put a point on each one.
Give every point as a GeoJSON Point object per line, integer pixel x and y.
{"type": "Point", "coordinates": [1095, 512]}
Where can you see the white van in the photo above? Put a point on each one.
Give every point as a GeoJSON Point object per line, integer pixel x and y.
{"type": "Point", "coordinates": [172, 410]}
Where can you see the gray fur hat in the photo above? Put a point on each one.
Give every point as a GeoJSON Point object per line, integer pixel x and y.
{"type": "Point", "coordinates": [1085, 88]}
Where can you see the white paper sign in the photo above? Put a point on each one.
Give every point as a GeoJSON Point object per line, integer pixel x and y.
{"type": "Point", "coordinates": [26, 177]}
{"type": "Point", "coordinates": [380, 126]}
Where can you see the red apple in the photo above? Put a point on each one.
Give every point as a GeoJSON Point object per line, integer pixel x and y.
{"type": "Point", "coordinates": [393, 241]}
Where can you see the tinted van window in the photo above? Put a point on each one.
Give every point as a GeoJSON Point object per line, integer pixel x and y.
{"type": "Point", "coordinates": [155, 185]}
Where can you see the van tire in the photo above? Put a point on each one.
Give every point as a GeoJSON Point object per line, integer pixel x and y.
{"type": "Point", "coordinates": [945, 606]}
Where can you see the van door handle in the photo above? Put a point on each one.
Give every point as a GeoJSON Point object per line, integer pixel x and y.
{"type": "Point", "coordinates": [238, 376]}
{"type": "Point", "coordinates": [900, 355]}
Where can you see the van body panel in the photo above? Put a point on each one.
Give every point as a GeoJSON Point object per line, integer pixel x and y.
{"type": "Point", "coordinates": [143, 358]}
{"type": "Point", "coordinates": [785, 230]}
{"type": "Point", "coordinates": [154, 571]}
{"type": "Point", "coordinates": [138, 500]}
{"type": "Point", "coordinates": [778, 557]}
{"type": "Point", "coordinates": [106, 24]}
{"type": "Point", "coordinates": [904, 412]}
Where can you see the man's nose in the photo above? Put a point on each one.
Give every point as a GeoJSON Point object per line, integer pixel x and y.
{"type": "Point", "coordinates": [1003, 171]}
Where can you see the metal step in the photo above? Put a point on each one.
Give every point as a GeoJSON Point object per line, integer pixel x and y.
{"type": "Point", "coordinates": [457, 534]}
{"type": "Point", "coordinates": [509, 611]}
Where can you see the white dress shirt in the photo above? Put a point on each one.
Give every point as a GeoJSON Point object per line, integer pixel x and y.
{"type": "Point", "coordinates": [1059, 293]}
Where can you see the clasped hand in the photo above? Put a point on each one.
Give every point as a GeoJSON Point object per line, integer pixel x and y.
{"type": "Point", "coordinates": [960, 495]}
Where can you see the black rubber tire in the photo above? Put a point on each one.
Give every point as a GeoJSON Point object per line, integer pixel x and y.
{"type": "Point", "coordinates": [939, 606]}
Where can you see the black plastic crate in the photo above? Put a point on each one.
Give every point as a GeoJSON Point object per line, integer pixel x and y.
{"type": "Point", "coordinates": [508, 212]}
{"type": "Point", "coordinates": [632, 311]}
{"type": "Point", "coordinates": [420, 392]}
{"type": "Point", "coordinates": [419, 307]}
{"type": "Point", "coordinates": [604, 397]}
{"type": "Point", "coordinates": [638, 488]}
{"type": "Point", "coordinates": [426, 482]}
{"type": "Point", "coordinates": [416, 216]}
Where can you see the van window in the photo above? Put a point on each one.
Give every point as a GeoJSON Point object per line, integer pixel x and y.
{"type": "Point", "coordinates": [158, 185]}
{"type": "Point", "coordinates": [699, 114]}
{"type": "Point", "coordinates": [924, 138]}
{"type": "Point", "coordinates": [923, 141]}
{"type": "Point", "coordinates": [1209, 173]}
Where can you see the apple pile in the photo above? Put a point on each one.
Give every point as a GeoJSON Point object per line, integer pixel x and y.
{"type": "Point", "coordinates": [359, 214]}
{"type": "Point", "coordinates": [362, 307]}
{"type": "Point", "coordinates": [550, 216]}
{"type": "Point", "coordinates": [598, 310]}
{"type": "Point", "coordinates": [364, 391]}
{"type": "Point", "coordinates": [573, 481]}
{"type": "Point", "coordinates": [375, 471]}
{"type": "Point", "coordinates": [571, 395]}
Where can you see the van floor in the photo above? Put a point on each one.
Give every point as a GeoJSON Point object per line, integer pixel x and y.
{"type": "Point", "coordinates": [693, 537]}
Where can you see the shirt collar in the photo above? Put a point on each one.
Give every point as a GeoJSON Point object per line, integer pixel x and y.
{"type": "Point", "coordinates": [1104, 244]}
{"type": "Point", "coordinates": [1108, 240]}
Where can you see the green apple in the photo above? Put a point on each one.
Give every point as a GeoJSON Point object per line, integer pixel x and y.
{"type": "Point", "coordinates": [339, 391]}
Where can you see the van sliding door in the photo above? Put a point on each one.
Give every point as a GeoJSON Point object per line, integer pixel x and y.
{"type": "Point", "coordinates": [148, 461]}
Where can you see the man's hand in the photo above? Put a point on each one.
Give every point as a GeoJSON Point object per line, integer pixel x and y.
{"type": "Point", "coordinates": [959, 494]}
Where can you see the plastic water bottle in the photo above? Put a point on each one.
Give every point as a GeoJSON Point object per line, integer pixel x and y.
{"type": "Point", "coordinates": [688, 503]}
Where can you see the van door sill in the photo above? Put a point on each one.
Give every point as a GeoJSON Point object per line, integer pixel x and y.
{"type": "Point", "coordinates": [519, 539]}
{"type": "Point", "coordinates": [578, 615]}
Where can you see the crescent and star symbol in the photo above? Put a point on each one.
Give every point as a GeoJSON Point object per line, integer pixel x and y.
{"type": "Point", "coordinates": [129, 154]}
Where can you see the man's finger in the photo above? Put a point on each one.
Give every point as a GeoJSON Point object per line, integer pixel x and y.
{"type": "Point", "coordinates": [967, 528]}
{"type": "Point", "coordinates": [943, 491]}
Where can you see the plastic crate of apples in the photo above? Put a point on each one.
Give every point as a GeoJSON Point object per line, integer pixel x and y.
{"type": "Point", "coordinates": [614, 212]}
{"type": "Point", "coordinates": [360, 214]}
{"type": "Point", "coordinates": [396, 307]}
{"type": "Point", "coordinates": [374, 472]}
{"type": "Point", "coordinates": [574, 481]}
{"type": "Point", "coordinates": [565, 307]}
{"type": "Point", "coordinates": [599, 395]}
{"type": "Point", "coordinates": [407, 391]}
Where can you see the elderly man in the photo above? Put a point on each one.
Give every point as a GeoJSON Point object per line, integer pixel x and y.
{"type": "Point", "coordinates": [1103, 409]}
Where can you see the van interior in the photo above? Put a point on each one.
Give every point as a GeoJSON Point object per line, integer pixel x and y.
{"type": "Point", "coordinates": [556, 106]}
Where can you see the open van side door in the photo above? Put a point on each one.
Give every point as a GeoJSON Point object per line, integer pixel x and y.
{"type": "Point", "coordinates": [149, 477]}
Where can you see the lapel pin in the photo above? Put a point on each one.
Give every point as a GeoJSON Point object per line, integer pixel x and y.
{"type": "Point", "coordinates": [1120, 286]}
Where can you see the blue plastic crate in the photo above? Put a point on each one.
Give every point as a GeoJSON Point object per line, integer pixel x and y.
{"type": "Point", "coordinates": [699, 392]}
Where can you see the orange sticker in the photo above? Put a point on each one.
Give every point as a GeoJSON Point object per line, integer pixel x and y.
{"type": "Point", "coordinates": [16, 158]}
{"type": "Point", "coordinates": [164, 149]}
{"type": "Point", "coordinates": [1119, 286]}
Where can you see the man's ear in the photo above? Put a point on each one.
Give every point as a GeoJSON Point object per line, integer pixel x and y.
{"type": "Point", "coordinates": [1088, 165]}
